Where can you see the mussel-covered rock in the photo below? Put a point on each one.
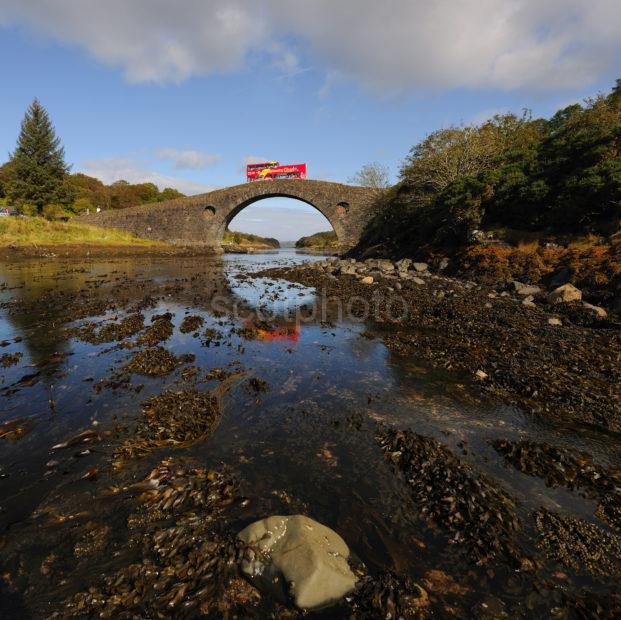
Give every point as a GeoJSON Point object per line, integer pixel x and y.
{"type": "Point", "coordinates": [161, 328]}
{"type": "Point", "coordinates": [191, 323]}
{"type": "Point", "coordinates": [93, 541]}
{"type": "Point", "coordinates": [10, 359]}
{"type": "Point", "coordinates": [173, 418]}
{"type": "Point", "coordinates": [388, 596]}
{"type": "Point", "coordinates": [187, 560]}
{"type": "Point", "coordinates": [452, 495]}
{"type": "Point", "coordinates": [257, 385]}
{"type": "Point", "coordinates": [578, 544]}
{"type": "Point", "coordinates": [94, 333]}
{"type": "Point", "coordinates": [568, 468]}
{"type": "Point", "coordinates": [153, 362]}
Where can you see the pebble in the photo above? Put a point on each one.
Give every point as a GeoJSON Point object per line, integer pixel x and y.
{"type": "Point", "coordinates": [565, 294]}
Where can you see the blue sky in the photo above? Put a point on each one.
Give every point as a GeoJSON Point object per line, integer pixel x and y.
{"type": "Point", "coordinates": [184, 93]}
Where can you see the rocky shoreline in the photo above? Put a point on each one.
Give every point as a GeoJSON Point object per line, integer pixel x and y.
{"type": "Point", "coordinates": [89, 250]}
{"type": "Point", "coordinates": [550, 353]}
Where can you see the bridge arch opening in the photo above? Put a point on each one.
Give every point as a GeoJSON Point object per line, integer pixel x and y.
{"type": "Point", "coordinates": [285, 218]}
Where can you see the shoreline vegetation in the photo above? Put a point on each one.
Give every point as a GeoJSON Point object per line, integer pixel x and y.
{"type": "Point", "coordinates": [324, 241]}
{"type": "Point", "coordinates": [36, 237]}
{"type": "Point", "coordinates": [37, 231]}
{"type": "Point", "coordinates": [235, 242]}
{"type": "Point", "coordinates": [514, 198]}
{"type": "Point", "coordinates": [39, 237]}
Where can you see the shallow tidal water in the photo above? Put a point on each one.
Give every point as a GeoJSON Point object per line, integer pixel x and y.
{"type": "Point", "coordinates": [306, 444]}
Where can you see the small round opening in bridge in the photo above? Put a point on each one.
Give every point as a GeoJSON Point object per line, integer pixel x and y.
{"type": "Point", "coordinates": [210, 212]}
{"type": "Point", "coordinates": [342, 208]}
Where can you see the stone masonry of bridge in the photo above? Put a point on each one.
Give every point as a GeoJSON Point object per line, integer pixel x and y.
{"type": "Point", "coordinates": [201, 220]}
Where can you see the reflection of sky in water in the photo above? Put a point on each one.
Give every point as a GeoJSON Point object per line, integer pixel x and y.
{"type": "Point", "coordinates": [273, 297]}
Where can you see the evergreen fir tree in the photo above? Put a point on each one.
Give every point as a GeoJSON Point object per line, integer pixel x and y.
{"type": "Point", "coordinates": [38, 163]}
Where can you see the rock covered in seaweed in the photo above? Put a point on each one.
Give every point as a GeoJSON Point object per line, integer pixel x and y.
{"type": "Point", "coordinates": [450, 494]}
{"type": "Point", "coordinates": [172, 418]}
{"type": "Point", "coordinates": [568, 468]}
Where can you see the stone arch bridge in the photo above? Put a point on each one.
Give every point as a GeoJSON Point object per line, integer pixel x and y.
{"type": "Point", "coordinates": [202, 219]}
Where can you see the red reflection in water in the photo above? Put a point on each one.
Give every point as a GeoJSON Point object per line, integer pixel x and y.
{"type": "Point", "coordinates": [287, 331]}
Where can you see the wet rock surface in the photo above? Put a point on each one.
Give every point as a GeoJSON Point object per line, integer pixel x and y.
{"type": "Point", "coordinates": [299, 558]}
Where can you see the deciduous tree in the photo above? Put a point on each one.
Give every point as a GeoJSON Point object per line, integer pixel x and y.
{"type": "Point", "coordinates": [371, 175]}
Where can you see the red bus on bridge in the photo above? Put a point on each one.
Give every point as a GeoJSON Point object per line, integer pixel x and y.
{"type": "Point", "coordinates": [274, 170]}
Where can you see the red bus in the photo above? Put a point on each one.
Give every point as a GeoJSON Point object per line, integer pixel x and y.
{"type": "Point", "coordinates": [273, 170]}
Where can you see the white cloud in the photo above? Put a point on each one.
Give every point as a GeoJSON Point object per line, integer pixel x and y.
{"type": "Point", "coordinates": [504, 44]}
{"type": "Point", "coordinates": [193, 160]}
{"type": "Point", "coordinates": [132, 171]}
{"type": "Point", "coordinates": [389, 46]}
{"type": "Point", "coordinates": [152, 40]}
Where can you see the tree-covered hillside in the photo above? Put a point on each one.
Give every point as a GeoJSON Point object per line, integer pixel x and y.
{"type": "Point", "coordinates": [558, 177]}
{"type": "Point", "coordinates": [245, 240]}
{"type": "Point", "coordinates": [320, 240]}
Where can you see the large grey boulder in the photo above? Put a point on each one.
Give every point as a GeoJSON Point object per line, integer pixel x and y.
{"type": "Point", "coordinates": [298, 556]}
